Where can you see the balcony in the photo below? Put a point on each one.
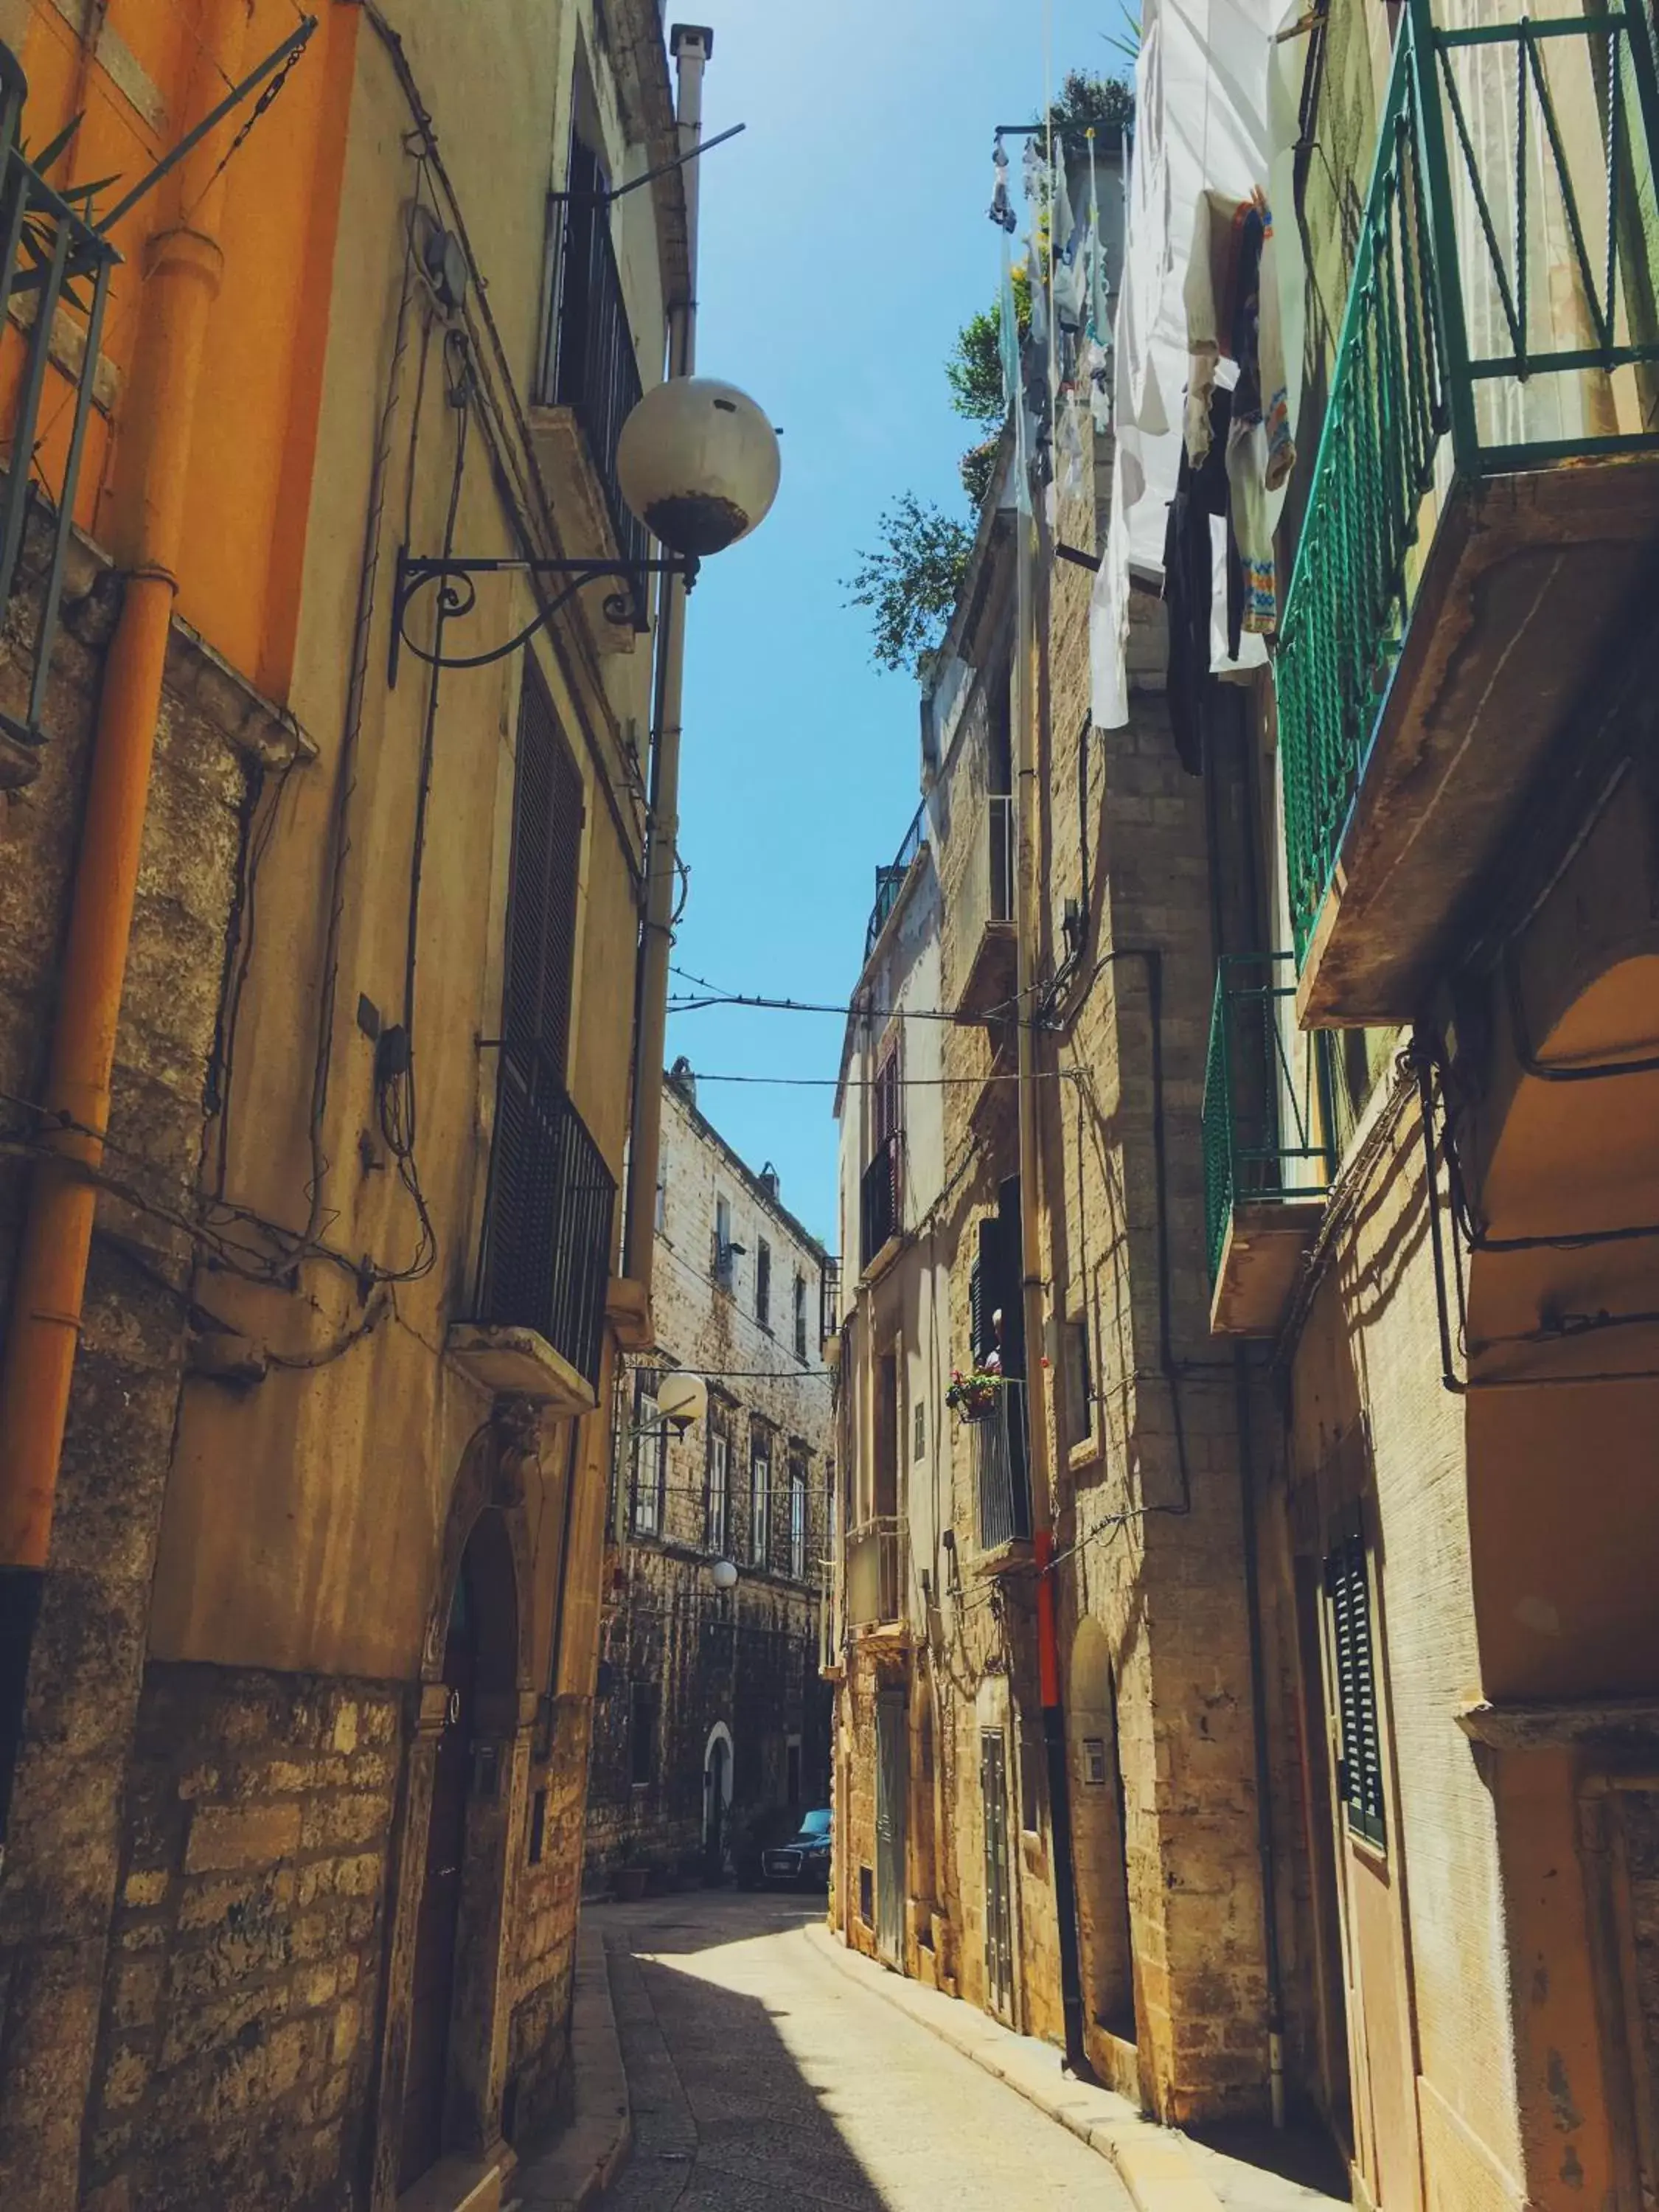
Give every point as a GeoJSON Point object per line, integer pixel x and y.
{"type": "Point", "coordinates": [537, 1320]}
{"type": "Point", "coordinates": [55, 276]}
{"type": "Point", "coordinates": [1267, 1159]}
{"type": "Point", "coordinates": [880, 1202]}
{"type": "Point", "coordinates": [1485, 488]}
{"type": "Point", "coordinates": [879, 1582]}
{"type": "Point", "coordinates": [588, 384]}
{"type": "Point", "coordinates": [986, 904]}
{"type": "Point", "coordinates": [832, 1629]}
{"type": "Point", "coordinates": [1002, 1487]}
{"type": "Point", "coordinates": [890, 880]}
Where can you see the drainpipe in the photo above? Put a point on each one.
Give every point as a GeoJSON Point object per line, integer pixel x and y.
{"type": "Point", "coordinates": [691, 48]}
{"type": "Point", "coordinates": [1030, 1234]}
{"type": "Point", "coordinates": [182, 266]}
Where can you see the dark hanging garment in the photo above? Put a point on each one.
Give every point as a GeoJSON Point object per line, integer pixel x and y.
{"type": "Point", "coordinates": [1189, 572]}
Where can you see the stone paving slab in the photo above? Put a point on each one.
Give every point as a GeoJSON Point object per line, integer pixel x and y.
{"type": "Point", "coordinates": [1161, 2169]}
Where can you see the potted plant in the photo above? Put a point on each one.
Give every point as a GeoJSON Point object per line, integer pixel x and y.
{"type": "Point", "coordinates": [974, 1395]}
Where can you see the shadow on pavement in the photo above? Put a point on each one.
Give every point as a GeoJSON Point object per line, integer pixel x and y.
{"type": "Point", "coordinates": [1305, 2155]}
{"type": "Point", "coordinates": [727, 2118]}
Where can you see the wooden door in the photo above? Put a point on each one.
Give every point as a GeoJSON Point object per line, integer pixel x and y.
{"type": "Point", "coordinates": [892, 1784]}
{"type": "Point", "coordinates": [438, 1921]}
{"type": "Point", "coordinates": [999, 1915]}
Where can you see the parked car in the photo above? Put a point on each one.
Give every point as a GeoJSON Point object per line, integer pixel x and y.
{"type": "Point", "coordinates": [752, 1834]}
{"type": "Point", "coordinates": [805, 1858]}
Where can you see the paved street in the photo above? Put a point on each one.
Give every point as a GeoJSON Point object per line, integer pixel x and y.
{"type": "Point", "coordinates": [763, 2078]}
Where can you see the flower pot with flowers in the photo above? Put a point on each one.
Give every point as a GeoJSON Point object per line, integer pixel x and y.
{"type": "Point", "coordinates": [974, 1396]}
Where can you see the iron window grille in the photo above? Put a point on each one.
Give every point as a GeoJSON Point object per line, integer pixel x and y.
{"type": "Point", "coordinates": [51, 261]}
{"type": "Point", "coordinates": [589, 363]}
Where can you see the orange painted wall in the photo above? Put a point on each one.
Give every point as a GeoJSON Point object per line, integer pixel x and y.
{"type": "Point", "coordinates": [255, 437]}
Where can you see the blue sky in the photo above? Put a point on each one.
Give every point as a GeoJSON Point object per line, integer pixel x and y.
{"type": "Point", "coordinates": [844, 243]}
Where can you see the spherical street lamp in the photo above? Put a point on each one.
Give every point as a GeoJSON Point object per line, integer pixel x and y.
{"type": "Point", "coordinates": [698, 463]}
{"type": "Point", "coordinates": [723, 1574]}
{"type": "Point", "coordinates": [682, 1399]}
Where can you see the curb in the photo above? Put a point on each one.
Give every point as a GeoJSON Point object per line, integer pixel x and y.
{"type": "Point", "coordinates": [590, 2153]}
{"type": "Point", "coordinates": [1150, 2161]}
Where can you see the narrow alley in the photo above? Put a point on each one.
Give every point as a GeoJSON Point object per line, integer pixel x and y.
{"type": "Point", "coordinates": [750, 2063]}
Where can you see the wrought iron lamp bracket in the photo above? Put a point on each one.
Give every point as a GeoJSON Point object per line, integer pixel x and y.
{"type": "Point", "coordinates": [456, 582]}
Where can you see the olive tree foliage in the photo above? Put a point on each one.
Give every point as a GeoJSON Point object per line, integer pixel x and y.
{"type": "Point", "coordinates": [910, 581]}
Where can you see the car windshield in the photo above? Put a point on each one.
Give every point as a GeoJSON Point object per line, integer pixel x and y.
{"type": "Point", "coordinates": [815, 1827]}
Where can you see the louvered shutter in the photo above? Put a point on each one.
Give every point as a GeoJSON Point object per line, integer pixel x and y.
{"type": "Point", "coordinates": [547, 830]}
{"type": "Point", "coordinates": [1347, 1590]}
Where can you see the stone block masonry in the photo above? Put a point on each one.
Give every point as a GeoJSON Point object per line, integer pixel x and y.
{"type": "Point", "coordinates": [243, 1979]}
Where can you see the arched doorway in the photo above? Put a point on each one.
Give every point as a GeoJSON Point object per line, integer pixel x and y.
{"type": "Point", "coordinates": [1097, 1837]}
{"type": "Point", "coordinates": [480, 1658]}
{"type": "Point", "coordinates": [716, 1798]}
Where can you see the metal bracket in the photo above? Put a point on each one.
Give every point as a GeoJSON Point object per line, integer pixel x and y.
{"type": "Point", "coordinates": [457, 597]}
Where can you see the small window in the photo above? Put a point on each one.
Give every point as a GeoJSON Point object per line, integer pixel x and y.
{"type": "Point", "coordinates": [800, 1315]}
{"type": "Point", "coordinates": [650, 1460]}
{"type": "Point", "coordinates": [719, 1491]}
{"type": "Point", "coordinates": [760, 1502]}
{"type": "Point", "coordinates": [764, 1283]}
{"type": "Point", "coordinates": [918, 1424]}
{"type": "Point", "coordinates": [798, 1521]}
{"type": "Point", "coordinates": [724, 1261]}
{"type": "Point", "coordinates": [1359, 1769]}
{"type": "Point", "coordinates": [538, 1826]}
{"type": "Point", "coordinates": [867, 1896]}
{"type": "Point", "coordinates": [661, 1218]}
{"type": "Point", "coordinates": [1079, 1381]}
{"type": "Point", "coordinates": [642, 1735]}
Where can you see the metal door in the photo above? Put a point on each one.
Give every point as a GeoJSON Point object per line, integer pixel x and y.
{"type": "Point", "coordinates": [892, 1776]}
{"type": "Point", "coordinates": [999, 1925]}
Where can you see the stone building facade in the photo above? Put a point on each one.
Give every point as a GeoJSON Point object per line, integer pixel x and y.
{"type": "Point", "coordinates": [1344, 1054]}
{"type": "Point", "coordinates": [296, 1774]}
{"type": "Point", "coordinates": [711, 1714]}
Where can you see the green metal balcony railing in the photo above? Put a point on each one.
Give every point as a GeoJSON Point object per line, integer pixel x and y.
{"type": "Point", "coordinates": [1501, 319]}
{"type": "Point", "coordinates": [1267, 1096]}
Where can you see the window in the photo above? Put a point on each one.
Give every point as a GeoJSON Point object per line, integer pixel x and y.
{"type": "Point", "coordinates": [1348, 1605]}
{"type": "Point", "coordinates": [660, 1219]}
{"type": "Point", "coordinates": [650, 1459]}
{"type": "Point", "coordinates": [798, 1520]}
{"type": "Point", "coordinates": [725, 1268]}
{"type": "Point", "coordinates": [760, 1501]}
{"type": "Point", "coordinates": [918, 1424]}
{"type": "Point", "coordinates": [800, 1315]}
{"type": "Point", "coordinates": [642, 1735]}
{"type": "Point", "coordinates": [764, 1283]}
{"type": "Point", "coordinates": [1079, 1381]}
{"type": "Point", "coordinates": [720, 1490]}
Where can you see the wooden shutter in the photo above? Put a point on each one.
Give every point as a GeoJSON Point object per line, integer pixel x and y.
{"type": "Point", "coordinates": [1360, 1774]}
{"type": "Point", "coordinates": [541, 927]}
